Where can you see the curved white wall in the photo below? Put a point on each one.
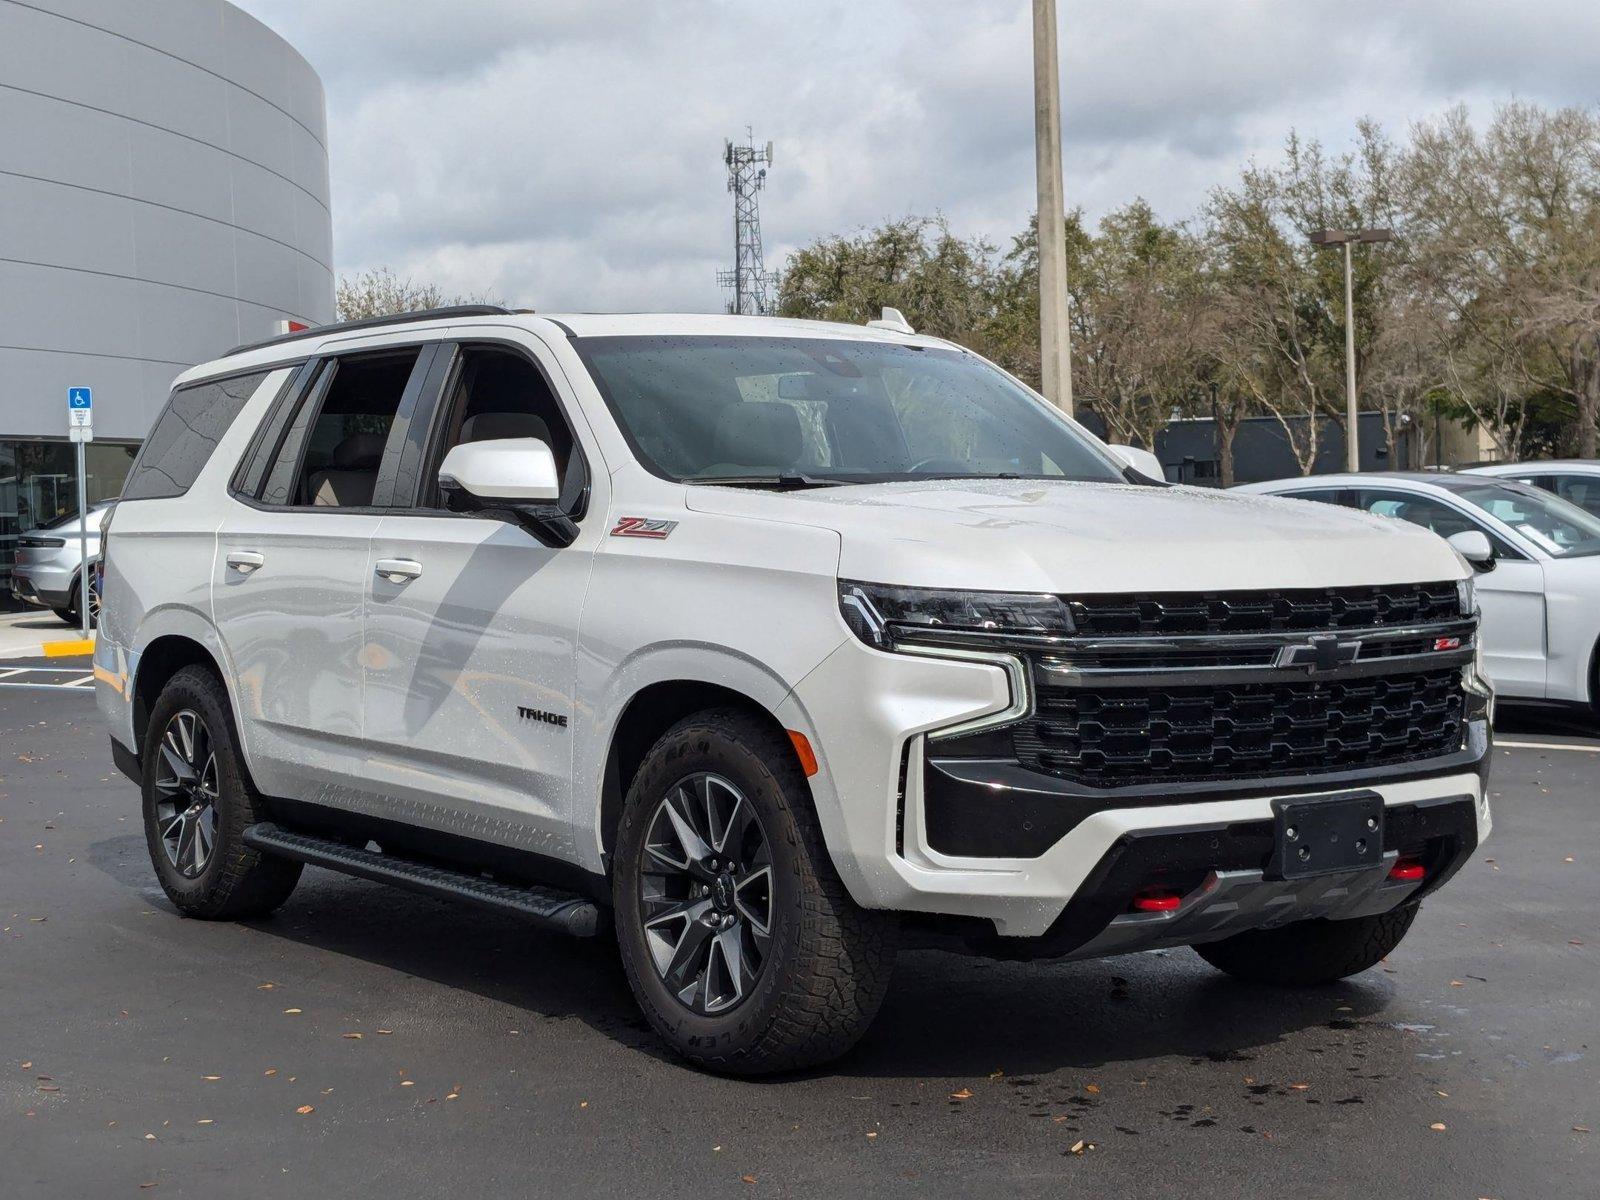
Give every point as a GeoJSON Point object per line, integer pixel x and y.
{"type": "Point", "coordinates": [163, 197]}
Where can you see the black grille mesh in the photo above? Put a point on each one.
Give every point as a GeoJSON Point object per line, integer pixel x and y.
{"type": "Point", "coordinates": [1290, 611]}
{"type": "Point", "coordinates": [1117, 737]}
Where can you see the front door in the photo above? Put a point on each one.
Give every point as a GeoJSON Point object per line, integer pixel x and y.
{"type": "Point", "coordinates": [471, 629]}
{"type": "Point", "coordinates": [1511, 596]}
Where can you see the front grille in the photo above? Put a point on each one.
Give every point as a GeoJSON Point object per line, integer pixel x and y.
{"type": "Point", "coordinates": [1297, 610]}
{"type": "Point", "coordinates": [1117, 737]}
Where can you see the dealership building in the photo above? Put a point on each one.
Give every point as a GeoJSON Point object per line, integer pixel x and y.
{"type": "Point", "coordinates": [163, 198]}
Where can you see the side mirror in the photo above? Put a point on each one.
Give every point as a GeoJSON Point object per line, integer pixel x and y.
{"type": "Point", "coordinates": [1142, 461]}
{"type": "Point", "coordinates": [1473, 546]}
{"type": "Point", "coordinates": [513, 471]}
{"type": "Point", "coordinates": [513, 479]}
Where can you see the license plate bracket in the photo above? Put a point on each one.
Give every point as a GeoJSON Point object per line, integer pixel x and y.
{"type": "Point", "coordinates": [1316, 835]}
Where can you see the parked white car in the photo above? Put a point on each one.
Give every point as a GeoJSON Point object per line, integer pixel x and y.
{"type": "Point", "coordinates": [771, 642]}
{"type": "Point", "coordinates": [1540, 589]}
{"type": "Point", "coordinates": [1575, 480]}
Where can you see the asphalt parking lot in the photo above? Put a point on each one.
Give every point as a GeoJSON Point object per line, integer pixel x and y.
{"type": "Point", "coordinates": [366, 1042]}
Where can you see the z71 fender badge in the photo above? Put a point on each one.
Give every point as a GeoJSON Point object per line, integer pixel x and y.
{"type": "Point", "coordinates": [643, 527]}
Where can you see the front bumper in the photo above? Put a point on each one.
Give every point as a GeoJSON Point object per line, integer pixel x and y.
{"type": "Point", "coordinates": [868, 713]}
{"type": "Point", "coordinates": [1220, 872]}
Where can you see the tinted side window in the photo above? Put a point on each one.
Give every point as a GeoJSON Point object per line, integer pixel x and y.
{"type": "Point", "coordinates": [1582, 490]}
{"type": "Point", "coordinates": [330, 455]}
{"type": "Point", "coordinates": [1323, 496]}
{"type": "Point", "coordinates": [1432, 515]}
{"type": "Point", "coordinates": [184, 436]}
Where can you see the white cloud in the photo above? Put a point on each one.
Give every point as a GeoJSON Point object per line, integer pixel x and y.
{"type": "Point", "coordinates": [567, 154]}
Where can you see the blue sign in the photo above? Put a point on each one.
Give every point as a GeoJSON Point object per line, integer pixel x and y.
{"type": "Point", "coordinates": [80, 398]}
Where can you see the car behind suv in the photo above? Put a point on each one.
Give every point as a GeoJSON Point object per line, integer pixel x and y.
{"type": "Point", "coordinates": [48, 572]}
{"type": "Point", "coordinates": [774, 646]}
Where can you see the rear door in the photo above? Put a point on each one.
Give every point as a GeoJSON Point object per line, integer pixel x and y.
{"type": "Point", "coordinates": [291, 569]}
{"type": "Point", "coordinates": [1511, 596]}
{"type": "Point", "coordinates": [472, 623]}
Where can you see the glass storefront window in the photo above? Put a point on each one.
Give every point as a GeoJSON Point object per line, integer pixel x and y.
{"type": "Point", "coordinates": [39, 484]}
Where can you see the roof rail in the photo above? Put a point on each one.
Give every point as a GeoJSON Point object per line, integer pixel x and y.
{"type": "Point", "coordinates": [424, 314]}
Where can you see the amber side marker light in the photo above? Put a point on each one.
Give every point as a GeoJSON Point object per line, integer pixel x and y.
{"type": "Point", "coordinates": [803, 751]}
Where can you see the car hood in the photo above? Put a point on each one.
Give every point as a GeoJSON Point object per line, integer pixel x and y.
{"type": "Point", "coordinates": [1060, 536]}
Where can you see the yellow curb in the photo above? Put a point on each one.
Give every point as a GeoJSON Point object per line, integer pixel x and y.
{"type": "Point", "coordinates": [68, 649]}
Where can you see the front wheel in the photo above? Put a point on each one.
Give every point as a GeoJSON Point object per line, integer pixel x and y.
{"type": "Point", "coordinates": [739, 941]}
{"type": "Point", "coordinates": [1310, 952]}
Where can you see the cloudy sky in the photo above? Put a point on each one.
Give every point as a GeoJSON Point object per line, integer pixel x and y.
{"type": "Point", "coordinates": [566, 154]}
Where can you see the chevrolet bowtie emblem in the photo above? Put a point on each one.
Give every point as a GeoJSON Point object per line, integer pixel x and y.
{"type": "Point", "coordinates": [1325, 652]}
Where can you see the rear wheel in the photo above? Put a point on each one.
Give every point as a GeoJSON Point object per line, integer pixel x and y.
{"type": "Point", "coordinates": [739, 941]}
{"type": "Point", "coordinates": [1310, 952]}
{"type": "Point", "coordinates": [71, 614]}
{"type": "Point", "coordinates": [198, 801]}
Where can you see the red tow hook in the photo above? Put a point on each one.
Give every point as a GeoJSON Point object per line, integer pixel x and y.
{"type": "Point", "coordinates": [1155, 900]}
{"type": "Point", "coordinates": [1408, 870]}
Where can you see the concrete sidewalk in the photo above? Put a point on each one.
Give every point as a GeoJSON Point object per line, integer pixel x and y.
{"type": "Point", "coordinates": [39, 634]}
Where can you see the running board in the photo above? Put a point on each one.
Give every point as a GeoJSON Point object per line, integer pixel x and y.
{"type": "Point", "coordinates": [548, 907]}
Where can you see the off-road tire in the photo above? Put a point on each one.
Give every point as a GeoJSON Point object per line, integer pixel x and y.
{"type": "Point", "coordinates": [830, 960]}
{"type": "Point", "coordinates": [236, 882]}
{"type": "Point", "coordinates": [1310, 952]}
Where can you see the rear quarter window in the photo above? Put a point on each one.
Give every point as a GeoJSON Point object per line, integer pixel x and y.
{"type": "Point", "coordinates": [186, 433]}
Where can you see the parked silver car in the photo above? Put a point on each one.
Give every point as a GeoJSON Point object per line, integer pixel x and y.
{"type": "Point", "coordinates": [46, 574]}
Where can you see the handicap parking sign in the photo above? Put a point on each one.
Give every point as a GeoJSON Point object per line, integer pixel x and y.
{"type": "Point", "coordinates": [80, 412]}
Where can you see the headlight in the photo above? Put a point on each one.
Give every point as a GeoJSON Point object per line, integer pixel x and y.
{"type": "Point", "coordinates": [1467, 592]}
{"type": "Point", "coordinates": [882, 615]}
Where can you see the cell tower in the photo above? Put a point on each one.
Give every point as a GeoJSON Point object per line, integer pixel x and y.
{"type": "Point", "coordinates": [750, 280]}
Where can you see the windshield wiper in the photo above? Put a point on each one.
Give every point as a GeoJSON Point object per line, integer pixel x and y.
{"type": "Point", "coordinates": [786, 482]}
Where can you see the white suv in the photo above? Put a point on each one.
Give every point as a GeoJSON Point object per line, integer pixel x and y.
{"type": "Point", "coordinates": [774, 646]}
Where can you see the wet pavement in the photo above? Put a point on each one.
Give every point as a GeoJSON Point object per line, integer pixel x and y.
{"type": "Point", "coordinates": [366, 1042]}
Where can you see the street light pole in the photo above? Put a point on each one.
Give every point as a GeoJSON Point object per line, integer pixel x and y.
{"type": "Point", "coordinates": [1347, 238]}
{"type": "Point", "coordinates": [1055, 335]}
{"type": "Point", "coordinates": [1352, 441]}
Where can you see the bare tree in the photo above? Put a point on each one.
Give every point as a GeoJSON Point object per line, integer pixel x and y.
{"type": "Point", "coordinates": [1139, 323]}
{"type": "Point", "coordinates": [1505, 230]}
{"type": "Point", "coordinates": [382, 293]}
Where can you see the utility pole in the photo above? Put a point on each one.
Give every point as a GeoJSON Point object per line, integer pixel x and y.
{"type": "Point", "coordinates": [1055, 335]}
{"type": "Point", "coordinates": [747, 175]}
{"type": "Point", "coordinates": [1347, 238]}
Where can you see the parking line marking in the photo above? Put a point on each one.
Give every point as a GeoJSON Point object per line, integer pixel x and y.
{"type": "Point", "coordinates": [7, 674]}
{"type": "Point", "coordinates": [80, 681]}
{"type": "Point", "coordinates": [1547, 746]}
{"type": "Point", "coordinates": [45, 687]}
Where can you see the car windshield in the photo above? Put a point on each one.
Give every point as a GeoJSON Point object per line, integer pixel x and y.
{"type": "Point", "coordinates": [1559, 528]}
{"type": "Point", "coordinates": [804, 411]}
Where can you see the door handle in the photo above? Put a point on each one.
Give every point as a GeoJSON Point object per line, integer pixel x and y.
{"type": "Point", "coordinates": [396, 570]}
{"type": "Point", "coordinates": [245, 561]}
